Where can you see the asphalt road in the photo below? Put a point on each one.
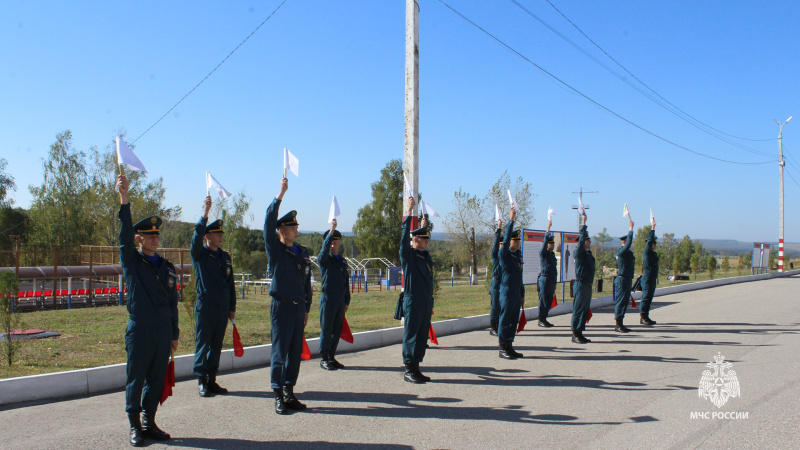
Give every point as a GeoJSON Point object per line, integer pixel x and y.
{"type": "Point", "coordinates": [622, 391]}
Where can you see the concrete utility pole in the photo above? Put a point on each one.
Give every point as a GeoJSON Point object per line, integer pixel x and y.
{"type": "Point", "coordinates": [411, 151]}
{"type": "Point", "coordinates": [580, 193]}
{"type": "Point", "coordinates": [781, 163]}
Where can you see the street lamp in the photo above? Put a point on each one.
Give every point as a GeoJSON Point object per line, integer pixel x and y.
{"type": "Point", "coordinates": [781, 163]}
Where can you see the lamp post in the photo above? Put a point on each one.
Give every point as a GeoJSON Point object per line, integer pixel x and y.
{"type": "Point", "coordinates": [781, 163]}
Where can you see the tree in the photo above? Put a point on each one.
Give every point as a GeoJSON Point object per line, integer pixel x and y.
{"type": "Point", "coordinates": [233, 213]}
{"type": "Point", "coordinates": [603, 237]}
{"type": "Point", "coordinates": [9, 319]}
{"type": "Point", "coordinates": [711, 264]}
{"type": "Point", "coordinates": [6, 185]}
{"type": "Point", "coordinates": [773, 256]}
{"type": "Point", "coordinates": [639, 241]}
{"type": "Point", "coordinates": [467, 228]}
{"type": "Point", "coordinates": [59, 211]}
{"type": "Point", "coordinates": [683, 253]}
{"type": "Point", "coordinates": [695, 263]}
{"type": "Point", "coordinates": [666, 251]}
{"type": "Point", "coordinates": [498, 195]}
{"type": "Point", "coordinates": [378, 224]}
{"type": "Point", "coordinates": [726, 264]}
{"type": "Point", "coordinates": [740, 265]}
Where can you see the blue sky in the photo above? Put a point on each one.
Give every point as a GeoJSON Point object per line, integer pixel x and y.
{"type": "Point", "coordinates": [326, 80]}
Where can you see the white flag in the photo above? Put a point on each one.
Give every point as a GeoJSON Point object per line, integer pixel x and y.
{"type": "Point", "coordinates": [290, 163]}
{"type": "Point", "coordinates": [212, 182]}
{"type": "Point", "coordinates": [496, 212]}
{"type": "Point", "coordinates": [625, 212]}
{"type": "Point", "coordinates": [125, 157]}
{"type": "Point", "coordinates": [334, 210]}
{"type": "Point", "coordinates": [426, 209]}
{"type": "Point", "coordinates": [581, 209]}
{"type": "Point", "coordinates": [550, 213]}
{"type": "Point", "coordinates": [512, 201]}
{"type": "Point", "coordinates": [651, 215]}
{"type": "Point", "coordinates": [407, 186]}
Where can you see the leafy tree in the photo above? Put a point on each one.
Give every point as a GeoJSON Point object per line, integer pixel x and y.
{"type": "Point", "coordinates": [666, 251]}
{"type": "Point", "coordinates": [467, 228]}
{"type": "Point", "coordinates": [378, 224]}
{"type": "Point", "coordinates": [6, 185]}
{"type": "Point", "coordinates": [498, 195]}
{"type": "Point", "coordinates": [683, 253]}
{"type": "Point", "coordinates": [639, 239]}
{"type": "Point", "coordinates": [773, 257]}
{"type": "Point", "coordinates": [9, 319]}
{"type": "Point", "coordinates": [695, 264]}
{"type": "Point", "coordinates": [711, 264]}
{"type": "Point", "coordinates": [748, 260]}
{"type": "Point", "coordinates": [13, 222]}
{"type": "Point", "coordinates": [602, 238]}
{"type": "Point", "coordinates": [740, 265]}
{"type": "Point", "coordinates": [726, 265]}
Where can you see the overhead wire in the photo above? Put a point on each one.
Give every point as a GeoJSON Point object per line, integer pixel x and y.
{"type": "Point", "coordinates": [786, 171]}
{"type": "Point", "coordinates": [642, 82]}
{"type": "Point", "coordinates": [209, 74]}
{"type": "Point", "coordinates": [576, 91]}
{"type": "Point", "coordinates": [683, 116]}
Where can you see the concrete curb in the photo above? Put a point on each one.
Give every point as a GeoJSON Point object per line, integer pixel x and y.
{"type": "Point", "coordinates": [54, 386]}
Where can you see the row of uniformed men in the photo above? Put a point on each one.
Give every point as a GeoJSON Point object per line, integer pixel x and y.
{"type": "Point", "coordinates": [508, 294]}
{"type": "Point", "coordinates": [152, 332]}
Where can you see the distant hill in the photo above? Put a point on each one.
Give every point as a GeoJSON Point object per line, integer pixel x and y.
{"type": "Point", "coordinates": [733, 247]}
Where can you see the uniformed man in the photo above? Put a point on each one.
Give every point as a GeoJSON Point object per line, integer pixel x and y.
{"type": "Point", "coordinates": [512, 291]}
{"type": "Point", "coordinates": [547, 276]}
{"type": "Point", "coordinates": [417, 267]}
{"type": "Point", "coordinates": [334, 299]}
{"type": "Point", "coordinates": [494, 285]}
{"type": "Point", "coordinates": [290, 288]}
{"type": "Point", "coordinates": [153, 318]}
{"type": "Point", "coordinates": [649, 276]}
{"type": "Point", "coordinates": [624, 279]}
{"type": "Point", "coordinates": [216, 300]}
{"type": "Point", "coordinates": [584, 274]}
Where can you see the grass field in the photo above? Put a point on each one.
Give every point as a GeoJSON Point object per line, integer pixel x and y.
{"type": "Point", "coordinates": [92, 337]}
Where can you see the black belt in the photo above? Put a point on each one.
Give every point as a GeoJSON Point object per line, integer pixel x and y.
{"type": "Point", "coordinates": [284, 300]}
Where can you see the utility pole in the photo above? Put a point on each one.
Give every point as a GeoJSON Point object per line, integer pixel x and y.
{"type": "Point", "coordinates": [411, 149]}
{"type": "Point", "coordinates": [580, 193]}
{"type": "Point", "coordinates": [781, 163]}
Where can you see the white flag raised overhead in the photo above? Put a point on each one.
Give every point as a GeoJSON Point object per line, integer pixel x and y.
{"type": "Point", "coordinates": [407, 186]}
{"type": "Point", "coordinates": [125, 157]}
{"type": "Point", "coordinates": [625, 212]}
{"type": "Point", "coordinates": [212, 182]}
{"type": "Point", "coordinates": [581, 208]}
{"type": "Point", "coordinates": [334, 210]}
{"type": "Point", "coordinates": [496, 212]}
{"type": "Point", "coordinates": [290, 162]}
{"type": "Point", "coordinates": [512, 201]}
{"type": "Point", "coordinates": [651, 215]}
{"type": "Point", "coordinates": [426, 209]}
{"type": "Point", "coordinates": [550, 213]}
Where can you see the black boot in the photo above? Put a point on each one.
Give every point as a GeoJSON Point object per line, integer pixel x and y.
{"type": "Point", "coordinates": [335, 363]}
{"type": "Point", "coordinates": [325, 363]}
{"type": "Point", "coordinates": [150, 429]}
{"type": "Point", "coordinates": [412, 374]}
{"type": "Point", "coordinates": [420, 375]}
{"type": "Point", "coordinates": [512, 352]}
{"type": "Point", "coordinates": [202, 386]}
{"type": "Point", "coordinates": [620, 328]}
{"type": "Point", "coordinates": [493, 329]}
{"type": "Point", "coordinates": [214, 387]}
{"type": "Point", "coordinates": [544, 323]}
{"type": "Point", "coordinates": [136, 436]}
{"type": "Point", "coordinates": [504, 353]}
{"type": "Point", "coordinates": [578, 338]}
{"type": "Point", "coordinates": [290, 400]}
{"type": "Point", "coordinates": [280, 406]}
{"type": "Point", "coordinates": [644, 319]}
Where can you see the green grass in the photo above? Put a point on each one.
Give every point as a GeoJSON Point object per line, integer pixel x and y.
{"type": "Point", "coordinates": [92, 337]}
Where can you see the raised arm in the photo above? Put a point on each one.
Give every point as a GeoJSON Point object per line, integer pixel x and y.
{"type": "Point", "coordinates": [496, 244]}
{"type": "Point", "coordinates": [200, 231]}
{"type": "Point", "coordinates": [324, 256]}
{"type": "Point", "coordinates": [405, 238]}
{"type": "Point", "coordinates": [629, 241]}
{"type": "Point", "coordinates": [544, 241]}
{"type": "Point", "coordinates": [127, 246]}
{"type": "Point", "coordinates": [271, 220]}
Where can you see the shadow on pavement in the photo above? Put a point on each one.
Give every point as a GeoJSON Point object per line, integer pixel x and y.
{"type": "Point", "coordinates": [223, 443]}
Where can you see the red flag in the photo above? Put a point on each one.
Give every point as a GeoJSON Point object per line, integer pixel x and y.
{"type": "Point", "coordinates": [633, 303]}
{"type": "Point", "coordinates": [306, 354]}
{"type": "Point", "coordinates": [238, 349]}
{"type": "Point", "coordinates": [346, 334]}
{"type": "Point", "coordinates": [522, 321]}
{"type": "Point", "coordinates": [590, 316]}
{"type": "Point", "coordinates": [432, 335]}
{"type": "Point", "coordinates": [555, 302]}
{"type": "Point", "coordinates": [169, 380]}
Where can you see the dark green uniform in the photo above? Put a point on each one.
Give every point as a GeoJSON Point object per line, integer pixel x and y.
{"type": "Point", "coordinates": [547, 278]}
{"type": "Point", "coordinates": [290, 289]}
{"type": "Point", "coordinates": [584, 274]}
{"type": "Point", "coordinates": [624, 279]}
{"type": "Point", "coordinates": [494, 285]}
{"type": "Point", "coordinates": [152, 319]}
{"type": "Point", "coordinates": [334, 298]}
{"type": "Point", "coordinates": [417, 296]}
{"type": "Point", "coordinates": [511, 289]}
{"type": "Point", "coordinates": [650, 273]}
{"type": "Point", "coordinates": [216, 299]}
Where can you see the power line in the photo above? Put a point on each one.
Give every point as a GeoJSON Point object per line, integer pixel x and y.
{"type": "Point", "coordinates": [786, 170]}
{"type": "Point", "coordinates": [209, 74]}
{"type": "Point", "coordinates": [509, 48]}
{"type": "Point", "coordinates": [645, 85]}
